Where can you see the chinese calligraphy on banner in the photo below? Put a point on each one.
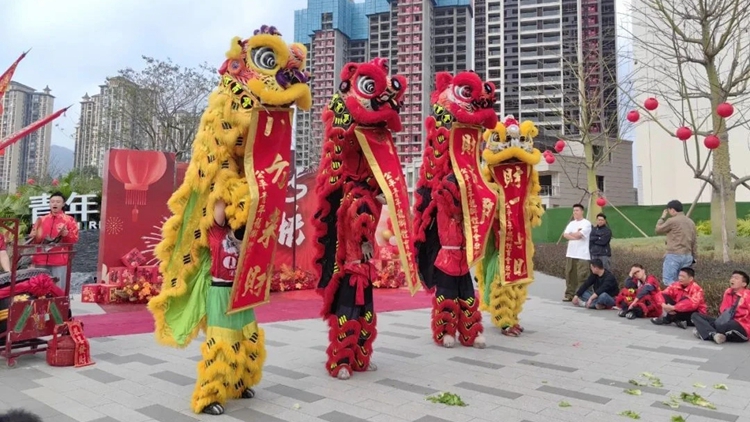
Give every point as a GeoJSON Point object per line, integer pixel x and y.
{"type": "Point", "coordinates": [513, 180]}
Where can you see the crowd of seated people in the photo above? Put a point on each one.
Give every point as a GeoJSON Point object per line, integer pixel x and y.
{"type": "Point", "coordinates": [681, 303]}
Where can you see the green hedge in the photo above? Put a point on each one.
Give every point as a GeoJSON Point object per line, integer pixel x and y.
{"type": "Point", "coordinates": [712, 275]}
{"type": "Point", "coordinates": [555, 220]}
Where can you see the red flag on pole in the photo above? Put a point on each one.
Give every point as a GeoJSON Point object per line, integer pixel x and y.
{"type": "Point", "coordinates": [6, 77]}
{"type": "Point", "coordinates": [30, 129]}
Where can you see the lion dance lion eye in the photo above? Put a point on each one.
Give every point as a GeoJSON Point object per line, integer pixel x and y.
{"type": "Point", "coordinates": [366, 85]}
{"type": "Point", "coordinates": [463, 92]}
{"type": "Point", "coordinates": [264, 58]}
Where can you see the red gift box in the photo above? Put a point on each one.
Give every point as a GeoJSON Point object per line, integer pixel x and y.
{"type": "Point", "coordinates": [91, 293]}
{"type": "Point", "coordinates": [109, 293]}
{"type": "Point", "coordinates": [150, 274]}
{"type": "Point", "coordinates": [119, 275]}
{"type": "Point", "coordinates": [133, 259]}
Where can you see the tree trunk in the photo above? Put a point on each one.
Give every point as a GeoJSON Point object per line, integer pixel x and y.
{"type": "Point", "coordinates": [723, 209]}
{"type": "Point", "coordinates": [591, 186]}
{"type": "Point", "coordinates": [723, 216]}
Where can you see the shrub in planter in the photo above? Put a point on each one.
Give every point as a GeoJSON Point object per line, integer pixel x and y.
{"type": "Point", "coordinates": [712, 275]}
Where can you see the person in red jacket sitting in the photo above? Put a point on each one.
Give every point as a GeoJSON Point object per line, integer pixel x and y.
{"type": "Point", "coordinates": [55, 227]}
{"type": "Point", "coordinates": [733, 323]}
{"type": "Point", "coordinates": [641, 297]}
{"type": "Point", "coordinates": [682, 299]}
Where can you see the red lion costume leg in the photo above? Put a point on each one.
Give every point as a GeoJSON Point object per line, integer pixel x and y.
{"type": "Point", "coordinates": [444, 320]}
{"type": "Point", "coordinates": [470, 323]}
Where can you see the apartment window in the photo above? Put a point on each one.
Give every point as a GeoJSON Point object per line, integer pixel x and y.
{"type": "Point", "coordinates": [600, 183]}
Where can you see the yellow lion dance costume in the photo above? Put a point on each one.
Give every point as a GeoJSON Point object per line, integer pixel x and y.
{"type": "Point", "coordinates": [236, 179]}
{"type": "Point", "coordinates": [507, 268]}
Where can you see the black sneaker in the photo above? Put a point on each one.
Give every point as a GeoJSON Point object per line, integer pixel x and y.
{"type": "Point", "coordinates": [681, 324]}
{"type": "Point", "coordinates": [622, 314]}
{"type": "Point", "coordinates": [630, 315]}
{"type": "Point", "coordinates": [657, 321]}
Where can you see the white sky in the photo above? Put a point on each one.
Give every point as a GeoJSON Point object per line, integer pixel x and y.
{"type": "Point", "coordinates": [76, 44]}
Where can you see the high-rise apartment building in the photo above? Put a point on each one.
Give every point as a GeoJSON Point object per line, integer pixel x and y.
{"type": "Point", "coordinates": [122, 115]}
{"type": "Point", "coordinates": [418, 37]}
{"type": "Point", "coordinates": [29, 157]}
{"type": "Point", "coordinates": [554, 62]}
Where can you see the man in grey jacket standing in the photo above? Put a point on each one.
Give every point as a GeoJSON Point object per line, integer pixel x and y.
{"type": "Point", "coordinates": [682, 241]}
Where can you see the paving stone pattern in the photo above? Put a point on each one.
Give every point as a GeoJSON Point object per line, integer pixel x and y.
{"type": "Point", "coordinates": [582, 357]}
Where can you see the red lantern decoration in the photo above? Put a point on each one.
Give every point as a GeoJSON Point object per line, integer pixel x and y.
{"type": "Point", "coordinates": [650, 104]}
{"type": "Point", "coordinates": [633, 116]}
{"type": "Point", "coordinates": [549, 159]}
{"type": "Point", "coordinates": [137, 170]}
{"type": "Point", "coordinates": [559, 145]}
{"type": "Point", "coordinates": [55, 182]}
{"type": "Point", "coordinates": [601, 201]}
{"type": "Point", "coordinates": [724, 110]}
{"type": "Point", "coordinates": [711, 142]}
{"type": "Point", "coordinates": [684, 133]}
{"type": "Point", "coordinates": [31, 181]}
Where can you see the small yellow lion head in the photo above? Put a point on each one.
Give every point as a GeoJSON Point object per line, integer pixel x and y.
{"type": "Point", "coordinates": [511, 140]}
{"type": "Point", "coordinates": [265, 69]}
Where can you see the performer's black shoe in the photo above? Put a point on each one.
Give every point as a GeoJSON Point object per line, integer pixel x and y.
{"type": "Point", "coordinates": [214, 409]}
{"type": "Point", "coordinates": [248, 393]}
{"type": "Point", "coordinates": [622, 313]}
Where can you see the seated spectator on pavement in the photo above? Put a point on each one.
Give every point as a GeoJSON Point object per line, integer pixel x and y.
{"type": "Point", "coordinates": [682, 299]}
{"type": "Point", "coordinates": [641, 297]}
{"type": "Point", "coordinates": [733, 323]}
{"type": "Point", "coordinates": [599, 290]}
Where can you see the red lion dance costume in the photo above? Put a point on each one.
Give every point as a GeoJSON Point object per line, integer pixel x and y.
{"type": "Point", "coordinates": [646, 295]}
{"type": "Point", "coordinates": [454, 208]}
{"type": "Point", "coordinates": [359, 172]}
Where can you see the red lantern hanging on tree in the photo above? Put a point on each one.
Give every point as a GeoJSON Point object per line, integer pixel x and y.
{"type": "Point", "coordinates": [137, 170]}
{"type": "Point", "coordinates": [724, 110]}
{"type": "Point", "coordinates": [684, 133]}
{"type": "Point", "coordinates": [549, 158]}
{"type": "Point", "coordinates": [711, 142]}
{"type": "Point", "coordinates": [31, 182]}
{"type": "Point", "coordinates": [650, 104]}
{"type": "Point", "coordinates": [601, 201]}
{"type": "Point", "coordinates": [633, 116]}
{"type": "Point", "coordinates": [559, 145]}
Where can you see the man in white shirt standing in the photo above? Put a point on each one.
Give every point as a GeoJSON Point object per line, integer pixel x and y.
{"type": "Point", "coordinates": [577, 257]}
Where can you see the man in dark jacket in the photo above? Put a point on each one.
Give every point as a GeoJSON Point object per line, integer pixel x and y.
{"type": "Point", "coordinates": [599, 240]}
{"type": "Point", "coordinates": [599, 291]}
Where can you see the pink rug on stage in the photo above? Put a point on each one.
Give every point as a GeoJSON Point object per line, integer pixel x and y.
{"type": "Point", "coordinates": [124, 319]}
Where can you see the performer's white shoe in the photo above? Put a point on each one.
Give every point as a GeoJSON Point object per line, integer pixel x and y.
{"type": "Point", "coordinates": [480, 342]}
{"type": "Point", "coordinates": [344, 374]}
{"type": "Point", "coordinates": [372, 367]}
{"type": "Point", "coordinates": [448, 341]}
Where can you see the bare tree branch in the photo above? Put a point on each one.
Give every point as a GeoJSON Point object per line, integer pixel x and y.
{"type": "Point", "coordinates": [158, 107]}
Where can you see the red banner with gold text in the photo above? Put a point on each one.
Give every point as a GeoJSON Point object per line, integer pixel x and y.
{"type": "Point", "coordinates": [477, 199]}
{"type": "Point", "coordinates": [515, 248]}
{"type": "Point", "coordinates": [377, 144]}
{"type": "Point", "coordinates": [267, 167]}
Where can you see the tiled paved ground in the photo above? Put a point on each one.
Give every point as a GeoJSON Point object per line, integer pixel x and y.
{"type": "Point", "coordinates": [581, 357]}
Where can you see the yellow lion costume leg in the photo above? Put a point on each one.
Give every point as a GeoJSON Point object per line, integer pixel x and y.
{"type": "Point", "coordinates": [503, 304]}
{"type": "Point", "coordinates": [522, 293]}
{"type": "Point", "coordinates": [233, 354]}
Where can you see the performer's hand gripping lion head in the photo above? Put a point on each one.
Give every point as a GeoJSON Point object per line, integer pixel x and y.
{"type": "Point", "coordinates": [370, 95]}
